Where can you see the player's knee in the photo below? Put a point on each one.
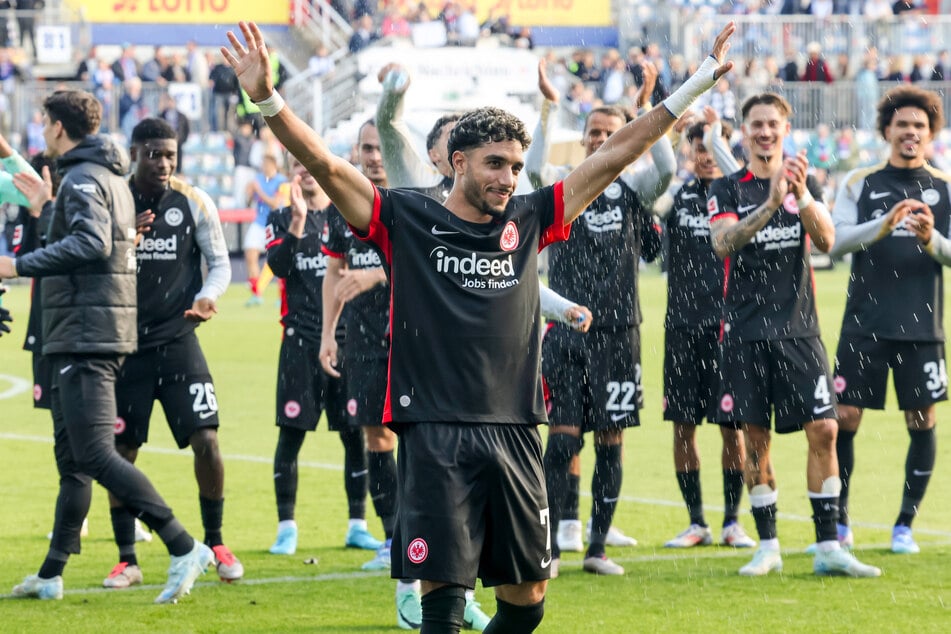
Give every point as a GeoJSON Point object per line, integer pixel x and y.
{"type": "Point", "coordinates": [443, 609]}
{"type": "Point", "coordinates": [204, 442]}
{"type": "Point", "coordinates": [516, 619]}
{"type": "Point", "coordinates": [561, 449]}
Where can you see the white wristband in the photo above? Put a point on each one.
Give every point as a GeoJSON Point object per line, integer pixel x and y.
{"type": "Point", "coordinates": [272, 105]}
{"type": "Point", "coordinates": [805, 201]}
{"type": "Point", "coordinates": [698, 83]}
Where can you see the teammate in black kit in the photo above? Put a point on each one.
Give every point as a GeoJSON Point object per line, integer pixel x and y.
{"type": "Point", "coordinates": [691, 351]}
{"type": "Point", "coordinates": [595, 379]}
{"type": "Point", "coordinates": [464, 385]}
{"type": "Point", "coordinates": [894, 218]}
{"type": "Point", "coordinates": [304, 390]}
{"type": "Point", "coordinates": [179, 225]}
{"type": "Point", "coordinates": [773, 362]}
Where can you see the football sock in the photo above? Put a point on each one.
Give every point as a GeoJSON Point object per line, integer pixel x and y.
{"type": "Point", "coordinates": [558, 453]}
{"type": "Point", "coordinates": [605, 488]}
{"type": "Point", "coordinates": [382, 470]}
{"type": "Point", "coordinates": [176, 538]}
{"type": "Point", "coordinates": [53, 565]}
{"type": "Point", "coordinates": [123, 528]}
{"type": "Point", "coordinates": [763, 500]}
{"type": "Point", "coordinates": [289, 441]}
{"type": "Point", "coordinates": [515, 619]}
{"type": "Point", "coordinates": [918, 467]}
{"type": "Point", "coordinates": [572, 494]}
{"type": "Point", "coordinates": [845, 448]}
{"type": "Point", "coordinates": [253, 283]}
{"type": "Point", "coordinates": [212, 512]}
{"type": "Point", "coordinates": [732, 494]}
{"type": "Point", "coordinates": [689, 482]}
{"type": "Point", "coordinates": [355, 471]}
{"type": "Point", "coordinates": [443, 609]}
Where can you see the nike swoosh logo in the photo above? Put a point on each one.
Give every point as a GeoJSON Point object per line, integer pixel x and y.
{"type": "Point", "coordinates": [746, 208]}
{"type": "Point", "coordinates": [819, 410]}
{"type": "Point", "coordinates": [357, 474]}
{"type": "Point", "coordinates": [690, 196]}
{"type": "Point", "coordinates": [66, 368]}
{"type": "Point", "coordinates": [877, 195]}
{"type": "Point", "coordinates": [439, 232]}
{"type": "Point", "coordinates": [545, 562]}
{"type": "Point", "coordinates": [609, 500]}
{"type": "Point", "coordinates": [939, 393]}
{"type": "Point", "coordinates": [920, 473]}
{"type": "Point", "coordinates": [616, 417]}
{"type": "Point", "coordinates": [204, 415]}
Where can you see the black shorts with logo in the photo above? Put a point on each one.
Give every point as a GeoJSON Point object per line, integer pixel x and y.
{"type": "Point", "coordinates": [594, 378]}
{"type": "Point", "coordinates": [366, 381]}
{"type": "Point", "coordinates": [304, 390]}
{"type": "Point", "coordinates": [472, 503]}
{"type": "Point", "coordinates": [789, 378]}
{"type": "Point", "coordinates": [175, 374]}
{"type": "Point", "coordinates": [918, 370]}
{"type": "Point", "coordinates": [691, 374]}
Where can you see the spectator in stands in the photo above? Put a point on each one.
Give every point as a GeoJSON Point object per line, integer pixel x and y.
{"type": "Point", "coordinates": [33, 141]}
{"type": "Point", "coordinates": [816, 67]}
{"type": "Point", "coordinates": [320, 63]}
{"type": "Point", "coordinates": [175, 70]}
{"type": "Point", "coordinates": [153, 70]}
{"type": "Point", "coordinates": [26, 21]}
{"type": "Point", "coordinates": [4, 36]}
{"type": "Point", "coordinates": [678, 72]}
{"type": "Point", "coordinates": [169, 111]}
{"type": "Point", "coordinates": [522, 38]}
{"type": "Point", "coordinates": [905, 6]}
{"type": "Point", "coordinates": [224, 95]}
{"type": "Point", "coordinates": [843, 67]}
{"type": "Point", "coordinates": [942, 67]}
{"type": "Point", "coordinates": [467, 26]}
{"type": "Point", "coordinates": [87, 66]}
{"type": "Point", "coordinates": [363, 34]}
{"type": "Point", "coordinates": [614, 80]}
{"type": "Point", "coordinates": [821, 149]}
{"type": "Point", "coordinates": [820, 9]}
{"type": "Point", "coordinates": [866, 91]}
{"type": "Point", "coordinates": [917, 69]}
{"type": "Point", "coordinates": [102, 81]}
{"type": "Point", "coordinates": [196, 64]}
{"type": "Point", "coordinates": [723, 101]}
{"type": "Point", "coordinates": [241, 150]}
{"type": "Point", "coordinates": [790, 70]}
{"type": "Point", "coordinates": [127, 65]}
{"type": "Point", "coordinates": [364, 8]}
{"type": "Point", "coordinates": [896, 69]}
{"type": "Point", "coordinates": [394, 24]}
{"type": "Point", "coordinates": [132, 107]}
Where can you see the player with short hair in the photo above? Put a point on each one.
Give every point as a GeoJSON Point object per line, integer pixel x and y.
{"type": "Point", "coordinates": [691, 350]}
{"type": "Point", "coordinates": [180, 228]}
{"type": "Point", "coordinates": [464, 387]}
{"type": "Point", "coordinates": [894, 218]}
{"type": "Point", "coordinates": [762, 219]}
{"type": "Point", "coordinates": [89, 325]}
{"type": "Point", "coordinates": [304, 390]}
{"type": "Point", "coordinates": [595, 379]}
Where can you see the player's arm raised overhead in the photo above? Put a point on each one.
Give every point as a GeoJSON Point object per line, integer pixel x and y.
{"type": "Point", "coordinates": [540, 172]}
{"type": "Point", "coordinates": [350, 190]}
{"type": "Point", "coordinates": [595, 173]}
{"type": "Point", "coordinates": [404, 167]}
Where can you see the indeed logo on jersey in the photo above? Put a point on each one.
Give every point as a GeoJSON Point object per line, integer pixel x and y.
{"type": "Point", "coordinates": [158, 248]}
{"type": "Point", "coordinates": [601, 221]}
{"type": "Point", "coordinates": [699, 224]}
{"type": "Point", "coordinates": [314, 263]}
{"type": "Point", "coordinates": [779, 237]}
{"type": "Point", "coordinates": [474, 271]}
{"type": "Point", "coordinates": [364, 259]}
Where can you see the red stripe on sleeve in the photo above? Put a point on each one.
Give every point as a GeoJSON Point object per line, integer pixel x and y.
{"type": "Point", "coordinates": [377, 232]}
{"type": "Point", "coordinates": [558, 231]}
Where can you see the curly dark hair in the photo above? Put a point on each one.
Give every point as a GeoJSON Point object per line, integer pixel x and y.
{"type": "Point", "coordinates": [79, 112]}
{"type": "Point", "coordinates": [905, 96]}
{"type": "Point", "coordinates": [487, 125]}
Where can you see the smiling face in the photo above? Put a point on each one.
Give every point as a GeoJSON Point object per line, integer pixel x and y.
{"type": "Point", "coordinates": [908, 135]}
{"type": "Point", "coordinates": [765, 128]}
{"type": "Point", "coordinates": [370, 156]}
{"type": "Point", "coordinates": [704, 166]}
{"type": "Point", "coordinates": [155, 161]}
{"type": "Point", "coordinates": [489, 175]}
{"type": "Point", "coordinates": [598, 128]}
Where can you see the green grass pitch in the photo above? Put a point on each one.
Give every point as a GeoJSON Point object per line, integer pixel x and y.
{"type": "Point", "coordinates": [662, 591]}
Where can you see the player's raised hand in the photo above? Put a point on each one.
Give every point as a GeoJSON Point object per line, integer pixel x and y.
{"type": "Point", "coordinates": [38, 191]}
{"type": "Point", "coordinates": [250, 61]}
{"type": "Point", "coordinates": [649, 73]}
{"type": "Point", "coordinates": [202, 310]}
{"type": "Point", "coordinates": [797, 167]}
{"type": "Point", "coordinates": [720, 47]}
{"type": "Point", "coordinates": [545, 86]}
{"type": "Point", "coordinates": [394, 78]}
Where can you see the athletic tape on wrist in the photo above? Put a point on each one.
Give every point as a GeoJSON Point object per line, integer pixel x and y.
{"type": "Point", "coordinates": [698, 83]}
{"type": "Point", "coordinates": [272, 105]}
{"type": "Point", "coordinates": [805, 201]}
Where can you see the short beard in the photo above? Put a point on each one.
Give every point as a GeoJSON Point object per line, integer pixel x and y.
{"type": "Point", "coordinates": [492, 212]}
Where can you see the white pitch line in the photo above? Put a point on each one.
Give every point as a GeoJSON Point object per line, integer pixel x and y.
{"type": "Point", "coordinates": [336, 467]}
{"type": "Point", "coordinates": [17, 386]}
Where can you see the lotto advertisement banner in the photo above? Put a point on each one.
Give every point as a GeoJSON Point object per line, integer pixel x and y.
{"type": "Point", "coordinates": [540, 12]}
{"type": "Point", "coordinates": [226, 13]}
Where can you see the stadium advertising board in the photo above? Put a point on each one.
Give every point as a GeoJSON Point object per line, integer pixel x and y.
{"type": "Point", "coordinates": [222, 12]}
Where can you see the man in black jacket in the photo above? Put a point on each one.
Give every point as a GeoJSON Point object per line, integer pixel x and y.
{"type": "Point", "coordinates": [89, 325]}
